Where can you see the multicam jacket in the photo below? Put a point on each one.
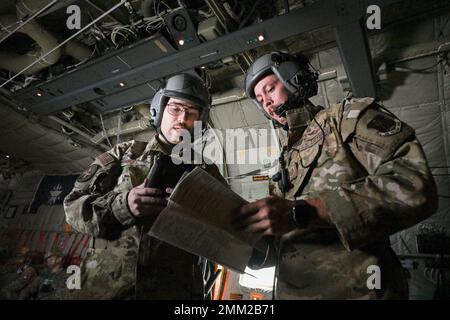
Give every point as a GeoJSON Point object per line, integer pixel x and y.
{"type": "Point", "coordinates": [124, 261]}
{"type": "Point", "coordinates": [370, 172]}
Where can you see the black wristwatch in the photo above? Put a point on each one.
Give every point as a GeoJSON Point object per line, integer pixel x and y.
{"type": "Point", "coordinates": [302, 213]}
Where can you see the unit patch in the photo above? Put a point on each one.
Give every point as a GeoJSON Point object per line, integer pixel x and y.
{"type": "Point", "coordinates": [88, 173]}
{"type": "Point", "coordinates": [386, 125]}
{"type": "Point", "coordinates": [312, 136]}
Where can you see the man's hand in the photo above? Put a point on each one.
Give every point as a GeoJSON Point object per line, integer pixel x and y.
{"type": "Point", "coordinates": [268, 216]}
{"type": "Point", "coordinates": [144, 202]}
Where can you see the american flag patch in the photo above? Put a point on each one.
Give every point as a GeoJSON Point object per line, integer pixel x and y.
{"type": "Point", "coordinates": [105, 159]}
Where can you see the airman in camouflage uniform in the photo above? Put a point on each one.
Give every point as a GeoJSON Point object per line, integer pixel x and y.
{"type": "Point", "coordinates": [110, 202]}
{"type": "Point", "coordinates": [23, 287]}
{"type": "Point", "coordinates": [355, 174]}
{"type": "Point", "coordinates": [52, 281]}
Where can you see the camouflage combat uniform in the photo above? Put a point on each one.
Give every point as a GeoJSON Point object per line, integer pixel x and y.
{"type": "Point", "coordinates": [371, 174]}
{"type": "Point", "coordinates": [53, 286]}
{"type": "Point", "coordinates": [22, 287]}
{"type": "Point", "coordinates": [129, 263]}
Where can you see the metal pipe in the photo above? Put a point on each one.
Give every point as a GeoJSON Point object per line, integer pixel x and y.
{"type": "Point", "coordinates": [29, 19]}
{"type": "Point", "coordinates": [44, 39]}
{"type": "Point", "coordinates": [76, 130]}
{"type": "Point", "coordinates": [228, 99]}
{"type": "Point", "coordinates": [215, 7]}
{"type": "Point", "coordinates": [407, 57]}
{"type": "Point", "coordinates": [25, 8]}
{"type": "Point", "coordinates": [327, 76]}
{"type": "Point", "coordinates": [77, 50]}
{"type": "Point", "coordinates": [127, 128]}
{"type": "Point", "coordinates": [65, 41]}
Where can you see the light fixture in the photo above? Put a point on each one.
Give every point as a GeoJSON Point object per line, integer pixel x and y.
{"type": "Point", "coordinates": [7, 156]}
{"type": "Point", "coordinates": [181, 42]}
{"type": "Point", "coordinates": [256, 38]}
{"type": "Point", "coordinates": [39, 94]}
{"type": "Point", "coordinates": [122, 84]}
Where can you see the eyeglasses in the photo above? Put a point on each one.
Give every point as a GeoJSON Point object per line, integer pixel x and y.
{"type": "Point", "coordinates": [176, 109]}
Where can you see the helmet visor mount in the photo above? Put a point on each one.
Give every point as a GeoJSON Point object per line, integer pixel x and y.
{"type": "Point", "coordinates": [294, 72]}
{"type": "Point", "coordinates": [185, 87]}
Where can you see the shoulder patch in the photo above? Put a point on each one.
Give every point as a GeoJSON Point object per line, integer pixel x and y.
{"type": "Point", "coordinates": [88, 173]}
{"type": "Point", "coordinates": [105, 159]}
{"type": "Point", "coordinates": [385, 124]}
{"type": "Point", "coordinates": [351, 113]}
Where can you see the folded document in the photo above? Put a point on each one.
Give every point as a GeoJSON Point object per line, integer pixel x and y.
{"type": "Point", "coordinates": [197, 219]}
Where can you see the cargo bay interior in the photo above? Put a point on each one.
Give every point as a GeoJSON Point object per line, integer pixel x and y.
{"type": "Point", "coordinates": [68, 95]}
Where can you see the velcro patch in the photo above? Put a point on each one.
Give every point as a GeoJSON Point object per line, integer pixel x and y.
{"type": "Point", "coordinates": [353, 114]}
{"type": "Point", "coordinates": [88, 173]}
{"type": "Point", "coordinates": [386, 125]}
{"type": "Point", "coordinates": [105, 159]}
{"type": "Point", "coordinates": [313, 137]}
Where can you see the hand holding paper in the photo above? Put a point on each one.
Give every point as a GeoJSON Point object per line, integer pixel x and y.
{"type": "Point", "coordinates": [198, 219]}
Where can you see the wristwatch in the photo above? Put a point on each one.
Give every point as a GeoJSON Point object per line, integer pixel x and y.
{"type": "Point", "coordinates": [302, 213]}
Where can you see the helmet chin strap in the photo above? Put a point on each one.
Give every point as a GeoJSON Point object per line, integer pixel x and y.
{"type": "Point", "coordinates": [294, 102]}
{"type": "Point", "coordinates": [170, 144]}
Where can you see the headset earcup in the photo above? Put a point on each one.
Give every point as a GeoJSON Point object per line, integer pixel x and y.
{"type": "Point", "coordinates": [156, 108]}
{"type": "Point", "coordinates": [297, 76]}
